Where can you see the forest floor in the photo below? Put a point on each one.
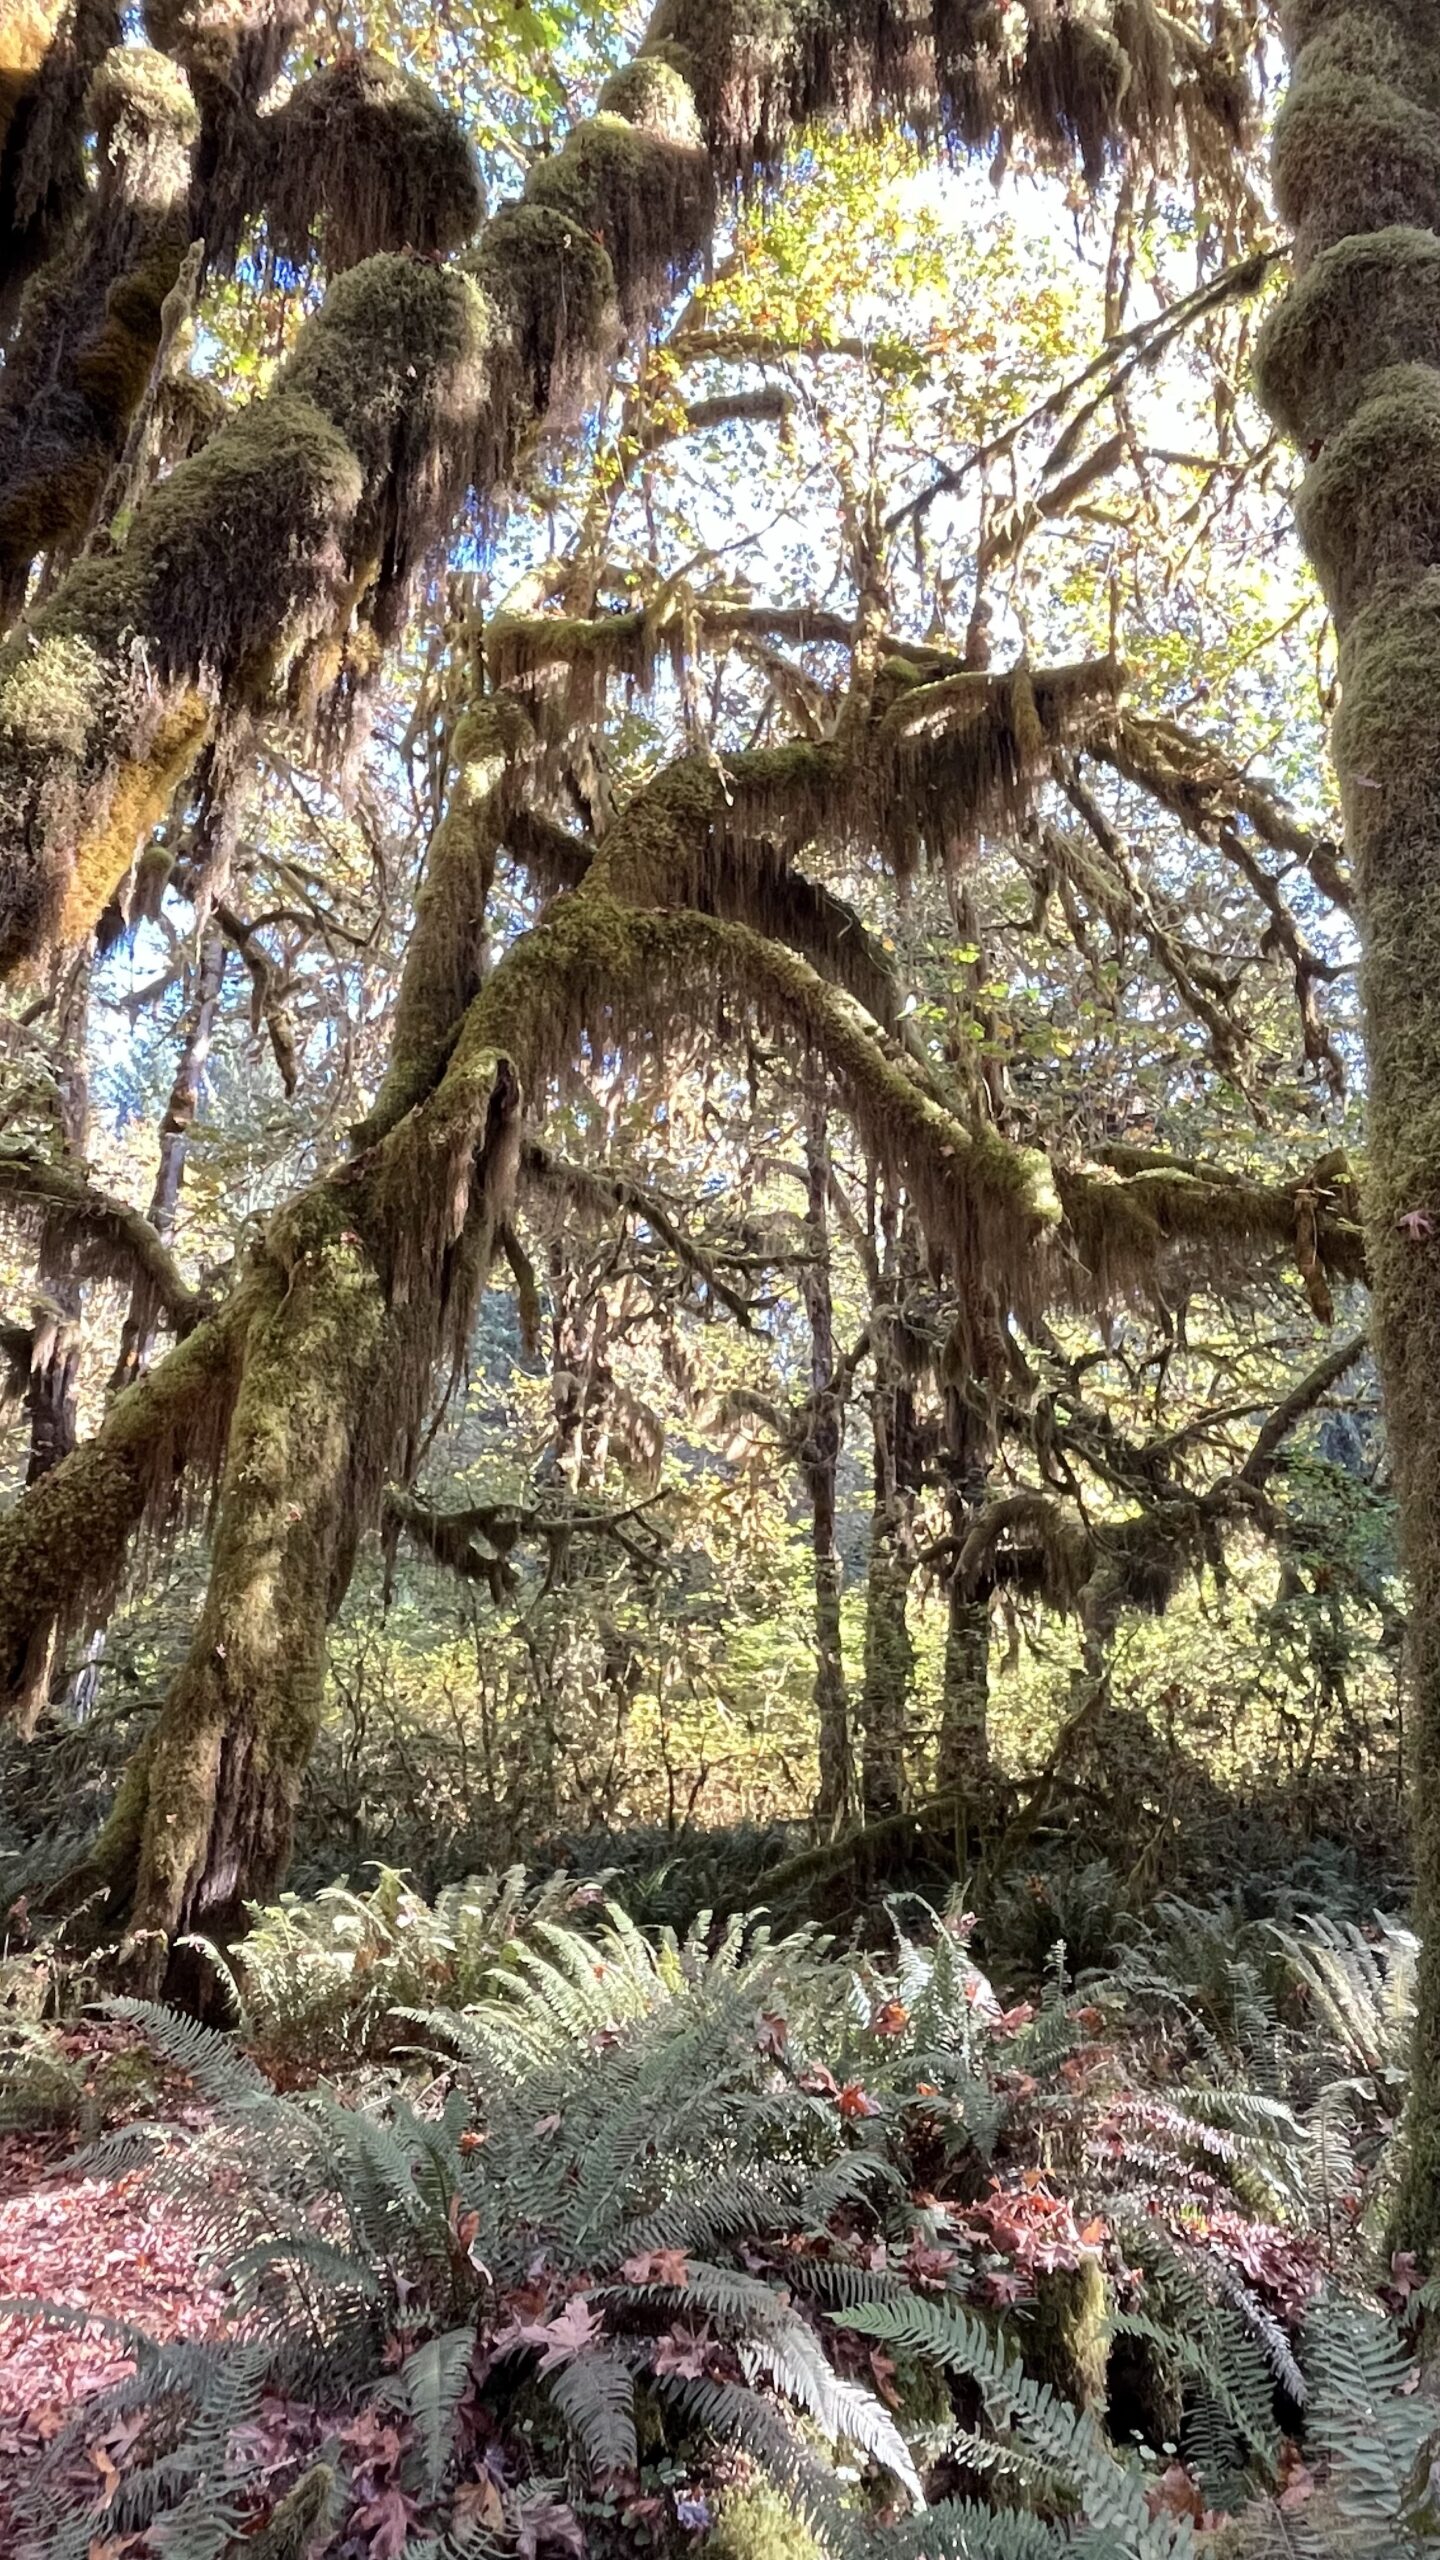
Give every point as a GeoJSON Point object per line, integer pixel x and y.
{"type": "Point", "coordinates": [113, 2247]}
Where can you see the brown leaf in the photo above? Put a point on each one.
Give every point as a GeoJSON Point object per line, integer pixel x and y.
{"type": "Point", "coordinates": [657, 2266]}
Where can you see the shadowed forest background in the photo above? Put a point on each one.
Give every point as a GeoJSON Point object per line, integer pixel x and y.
{"type": "Point", "coordinates": [719, 1186]}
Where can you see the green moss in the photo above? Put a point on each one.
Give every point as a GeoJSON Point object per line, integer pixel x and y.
{"type": "Point", "coordinates": [1065, 2340]}
{"type": "Point", "coordinates": [249, 1695]}
{"type": "Point", "coordinates": [365, 157]}
{"type": "Point", "coordinates": [555, 286]}
{"type": "Point", "coordinates": [1363, 306]}
{"type": "Point", "coordinates": [47, 694]}
{"type": "Point", "coordinates": [284, 569]}
{"type": "Point", "coordinates": [646, 195]}
{"type": "Point", "coordinates": [1370, 506]}
{"type": "Point", "coordinates": [296, 2519]}
{"type": "Point", "coordinates": [1353, 155]}
{"type": "Point", "coordinates": [1367, 43]}
{"type": "Point", "coordinates": [654, 94]}
{"type": "Point", "coordinates": [754, 2523]}
{"type": "Point", "coordinates": [398, 346]}
{"type": "Point", "coordinates": [138, 96]}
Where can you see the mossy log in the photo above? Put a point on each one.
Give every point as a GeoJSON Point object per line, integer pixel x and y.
{"type": "Point", "coordinates": [1349, 365]}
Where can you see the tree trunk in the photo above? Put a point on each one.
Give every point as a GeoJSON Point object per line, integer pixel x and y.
{"type": "Point", "coordinates": [236, 1730]}
{"type": "Point", "coordinates": [820, 1459]}
{"type": "Point", "coordinates": [889, 1653]}
{"type": "Point", "coordinates": [963, 1759]}
{"type": "Point", "coordinates": [137, 1338]}
{"type": "Point", "coordinates": [1350, 367]}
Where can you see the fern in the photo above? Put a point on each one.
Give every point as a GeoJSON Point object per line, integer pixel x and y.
{"type": "Point", "coordinates": [1066, 2440]}
{"type": "Point", "coordinates": [432, 2380]}
{"type": "Point", "coordinates": [595, 2395]}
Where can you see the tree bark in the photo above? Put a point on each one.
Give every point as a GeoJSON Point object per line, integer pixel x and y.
{"type": "Point", "coordinates": [1350, 367]}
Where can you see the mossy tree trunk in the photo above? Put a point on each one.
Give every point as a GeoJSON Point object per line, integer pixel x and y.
{"type": "Point", "coordinates": [889, 1673]}
{"type": "Point", "coordinates": [963, 1759]}
{"type": "Point", "coordinates": [52, 1392]}
{"type": "Point", "coordinates": [224, 1764]}
{"type": "Point", "coordinates": [137, 1338]}
{"type": "Point", "coordinates": [1350, 367]}
{"type": "Point", "coordinates": [820, 1462]}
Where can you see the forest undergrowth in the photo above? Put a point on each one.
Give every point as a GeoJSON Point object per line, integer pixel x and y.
{"type": "Point", "coordinates": [502, 2224]}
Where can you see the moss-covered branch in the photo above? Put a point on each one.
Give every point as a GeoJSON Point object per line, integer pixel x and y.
{"type": "Point", "coordinates": [106, 1238]}
{"type": "Point", "coordinates": [91, 322]}
{"type": "Point", "coordinates": [415, 381]}
{"type": "Point", "coordinates": [64, 1543]}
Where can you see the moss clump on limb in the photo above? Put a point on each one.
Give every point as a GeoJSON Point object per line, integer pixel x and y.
{"type": "Point", "coordinates": [645, 195]}
{"type": "Point", "coordinates": [1350, 365]}
{"type": "Point", "coordinates": [358, 454]}
{"type": "Point", "coordinates": [90, 324]}
{"type": "Point", "coordinates": [365, 157]}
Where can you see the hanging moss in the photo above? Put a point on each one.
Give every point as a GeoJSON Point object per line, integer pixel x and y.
{"type": "Point", "coordinates": [63, 1544]}
{"type": "Point", "coordinates": [331, 488]}
{"type": "Point", "coordinates": [90, 324]}
{"type": "Point", "coordinates": [398, 361]}
{"type": "Point", "coordinates": [48, 55]}
{"type": "Point", "coordinates": [231, 51]}
{"type": "Point", "coordinates": [364, 157]}
{"type": "Point", "coordinates": [964, 751]}
{"type": "Point", "coordinates": [646, 195]}
{"type": "Point", "coordinates": [235, 1730]}
{"type": "Point", "coordinates": [553, 284]}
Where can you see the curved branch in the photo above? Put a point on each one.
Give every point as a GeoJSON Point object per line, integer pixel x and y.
{"type": "Point", "coordinates": [109, 1238]}
{"type": "Point", "coordinates": [64, 1542]}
